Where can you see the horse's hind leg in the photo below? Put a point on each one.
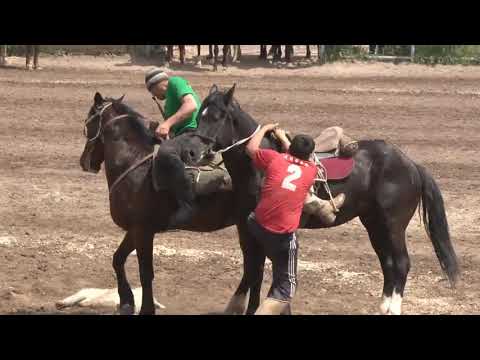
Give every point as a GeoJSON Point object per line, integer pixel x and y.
{"type": "Point", "coordinates": [143, 239]}
{"type": "Point", "coordinates": [127, 302]}
{"type": "Point", "coordinates": [401, 265]}
{"type": "Point", "coordinates": [388, 236]}
{"type": "Point", "coordinates": [378, 237]}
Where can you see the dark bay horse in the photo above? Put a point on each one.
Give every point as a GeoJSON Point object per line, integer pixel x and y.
{"type": "Point", "coordinates": [118, 136]}
{"type": "Point", "coordinates": [384, 190]}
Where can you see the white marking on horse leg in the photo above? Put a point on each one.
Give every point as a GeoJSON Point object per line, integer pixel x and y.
{"type": "Point", "coordinates": [385, 305]}
{"type": "Point", "coordinates": [396, 304]}
{"type": "Point", "coordinates": [237, 305]}
{"type": "Point", "coordinates": [272, 307]}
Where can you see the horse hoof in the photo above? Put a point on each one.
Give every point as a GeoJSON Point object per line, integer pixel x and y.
{"type": "Point", "coordinates": [147, 310]}
{"type": "Point", "coordinates": [126, 309]}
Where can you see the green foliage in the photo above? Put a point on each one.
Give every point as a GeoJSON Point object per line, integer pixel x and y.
{"type": "Point", "coordinates": [448, 54]}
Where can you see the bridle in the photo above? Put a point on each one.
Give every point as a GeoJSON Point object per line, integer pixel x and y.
{"type": "Point", "coordinates": [230, 147]}
{"type": "Point", "coordinates": [101, 128]}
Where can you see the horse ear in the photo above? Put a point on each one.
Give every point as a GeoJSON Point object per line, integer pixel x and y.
{"type": "Point", "coordinates": [213, 89]}
{"type": "Point", "coordinates": [120, 99]}
{"type": "Point", "coordinates": [229, 95]}
{"type": "Point", "coordinates": [98, 99]}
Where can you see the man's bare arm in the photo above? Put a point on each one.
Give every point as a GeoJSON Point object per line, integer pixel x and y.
{"type": "Point", "coordinates": [282, 136]}
{"type": "Point", "coordinates": [254, 143]}
{"type": "Point", "coordinates": [189, 106]}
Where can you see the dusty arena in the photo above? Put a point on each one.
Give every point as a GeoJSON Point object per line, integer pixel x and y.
{"type": "Point", "coordinates": [57, 236]}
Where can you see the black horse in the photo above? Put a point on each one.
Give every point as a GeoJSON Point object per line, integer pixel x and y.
{"type": "Point", "coordinates": [384, 190]}
{"type": "Point", "coordinates": [120, 137]}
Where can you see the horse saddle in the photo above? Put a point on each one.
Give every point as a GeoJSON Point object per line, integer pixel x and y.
{"type": "Point", "coordinates": [206, 179]}
{"type": "Point", "coordinates": [334, 153]}
{"type": "Point", "coordinates": [333, 142]}
{"type": "Point", "coordinates": [335, 167]}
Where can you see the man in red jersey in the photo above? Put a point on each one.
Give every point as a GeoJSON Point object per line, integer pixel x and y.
{"type": "Point", "coordinates": [288, 179]}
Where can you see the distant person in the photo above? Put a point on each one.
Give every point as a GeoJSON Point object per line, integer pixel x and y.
{"type": "Point", "coordinates": [32, 50]}
{"type": "Point", "coordinates": [3, 55]}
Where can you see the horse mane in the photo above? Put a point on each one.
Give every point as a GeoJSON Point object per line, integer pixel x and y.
{"type": "Point", "coordinates": [244, 116]}
{"type": "Point", "coordinates": [239, 113]}
{"type": "Point", "coordinates": [135, 119]}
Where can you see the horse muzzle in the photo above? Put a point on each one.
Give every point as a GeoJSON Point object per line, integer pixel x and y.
{"type": "Point", "coordinates": [86, 160]}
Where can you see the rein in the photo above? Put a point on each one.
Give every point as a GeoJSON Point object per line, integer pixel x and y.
{"type": "Point", "coordinates": [239, 142]}
{"type": "Point", "coordinates": [126, 172]}
{"type": "Point", "coordinates": [228, 148]}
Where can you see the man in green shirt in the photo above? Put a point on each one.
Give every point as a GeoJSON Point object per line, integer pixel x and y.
{"type": "Point", "coordinates": [181, 108]}
{"type": "Point", "coordinates": [181, 102]}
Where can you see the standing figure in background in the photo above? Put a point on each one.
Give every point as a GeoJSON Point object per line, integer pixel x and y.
{"type": "Point", "coordinates": [35, 51]}
{"type": "Point", "coordinates": [3, 55]}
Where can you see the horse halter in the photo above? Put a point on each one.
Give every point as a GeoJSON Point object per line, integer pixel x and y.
{"type": "Point", "coordinates": [100, 127]}
{"type": "Point", "coordinates": [213, 139]}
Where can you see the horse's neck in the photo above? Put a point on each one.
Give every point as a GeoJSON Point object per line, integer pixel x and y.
{"type": "Point", "coordinates": [236, 160]}
{"type": "Point", "coordinates": [123, 153]}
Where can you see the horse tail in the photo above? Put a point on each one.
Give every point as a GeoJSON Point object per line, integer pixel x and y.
{"type": "Point", "coordinates": [432, 212]}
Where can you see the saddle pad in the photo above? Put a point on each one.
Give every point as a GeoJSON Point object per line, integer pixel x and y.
{"type": "Point", "coordinates": [338, 168]}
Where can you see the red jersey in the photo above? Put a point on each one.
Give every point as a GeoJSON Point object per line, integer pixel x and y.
{"type": "Point", "coordinates": [287, 182]}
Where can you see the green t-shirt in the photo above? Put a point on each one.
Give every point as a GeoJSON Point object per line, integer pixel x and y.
{"type": "Point", "coordinates": [178, 87]}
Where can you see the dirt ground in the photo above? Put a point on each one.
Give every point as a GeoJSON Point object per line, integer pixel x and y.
{"type": "Point", "coordinates": [56, 234]}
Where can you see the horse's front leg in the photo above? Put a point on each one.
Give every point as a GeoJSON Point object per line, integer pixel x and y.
{"type": "Point", "coordinates": [215, 58]}
{"type": "Point", "coordinates": [143, 239]}
{"type": "Point", "coordinates": [253, 269]}
{"type": "Point", "coordinates": [127, 302]}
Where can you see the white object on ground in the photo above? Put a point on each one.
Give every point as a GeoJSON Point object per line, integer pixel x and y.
{"type": "Point", "coordinates": [91, 297]}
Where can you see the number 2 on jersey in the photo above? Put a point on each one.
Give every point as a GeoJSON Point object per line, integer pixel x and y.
{"type": "Point", "coordinates": [295, 172]}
